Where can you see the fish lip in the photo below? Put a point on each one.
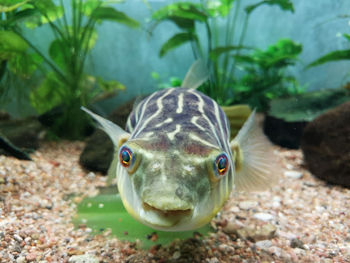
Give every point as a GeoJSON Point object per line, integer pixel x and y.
{"type": "Point", "coordinates": [165, 219]}
{"type": "Point", "coordinates": [168, 213]}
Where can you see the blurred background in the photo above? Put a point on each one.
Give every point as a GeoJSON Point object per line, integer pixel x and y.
{"type": "Point", "coordinates": [131, 55]}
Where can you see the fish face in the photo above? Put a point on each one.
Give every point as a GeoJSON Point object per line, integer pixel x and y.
{"type": "Point", "coordinates": [168, 189]}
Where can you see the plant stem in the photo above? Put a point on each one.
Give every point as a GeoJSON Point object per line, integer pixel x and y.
{"type": "Point", "coordinates": [65, 22]}
{"type": "Point", "coordinates": [240, 43]}
{"type": "Point", "coordinates": [230, 41]}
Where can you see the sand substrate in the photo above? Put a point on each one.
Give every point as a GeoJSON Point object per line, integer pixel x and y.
{"type": "Point", "coordinates": [301, 219]}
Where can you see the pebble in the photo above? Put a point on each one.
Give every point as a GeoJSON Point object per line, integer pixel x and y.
{"type": "Point", "coordinates": [17, 238]}
{"type": "Point", "coordinates": [31, 256]}
{"type": "Point", "coordinates": [263, 216]}
{"type": "Point", "coordinates": [263, 244]}
{"type": "Point", "coordinates": [232, 227]}
{"type": "Point", "coordinates": [86, 258]}
{"type": "Point", "coordinates": [213, 260]}
{"type": "Point", "coordinates": [176, 255]}
{"type": "Point", "coordinates": [91, 176]}
{"type": "Point", "coordinates": [246, 205]}
{"type": "Point", "coordinates": [296, 243]}
{"type": "Point", "coordinates": [293, 174]}
{"type": "Point", "coordinates": [21, 259]}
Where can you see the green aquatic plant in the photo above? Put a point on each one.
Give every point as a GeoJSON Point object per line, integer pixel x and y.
{"type": "Point", "coordinates": [66, 86]}
{"type": "Point", "coordinates": [106, 211]}
{"type": "Point", "coordinates": [17, 62]}
{"type": "Point", "coordinates": [266, 76]}
{"type": "Point", "coordinates": [220, 48]}
{"type": "Point", "coordinates": [162, 84]}
{"type": "Point", "coordinates": [333, 56]}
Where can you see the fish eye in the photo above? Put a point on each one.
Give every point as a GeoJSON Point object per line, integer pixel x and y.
{"type": "Point", "coordinates": [221, 164]}
{"type": "Point", "coordinates": [126, 156]}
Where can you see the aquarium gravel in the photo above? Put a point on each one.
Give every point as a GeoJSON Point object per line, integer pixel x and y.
{"type": "Point", "coordinates": [302, 219]}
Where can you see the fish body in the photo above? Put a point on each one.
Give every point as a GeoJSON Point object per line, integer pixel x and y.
{"type": "Point", "coordinates": [176, 164]}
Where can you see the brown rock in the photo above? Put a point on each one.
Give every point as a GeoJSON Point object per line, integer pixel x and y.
{"type": "Point", "coordinates": [326, 145]}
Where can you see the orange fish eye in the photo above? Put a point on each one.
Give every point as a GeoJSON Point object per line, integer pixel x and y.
{"type": "Point", "coordinates": [221, 164]}
{"type": "Point", "coordinates": [125, 156]}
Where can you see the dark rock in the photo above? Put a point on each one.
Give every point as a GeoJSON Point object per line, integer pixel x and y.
{"type": "Point", "coordinates": [8, 148]}
{"type": "Point", "coordinates": [326, 146]}
{"type": "Point", "coordinates": [98, 152]}
{"type": "Point", "coordinates": [287, 117]}
{"type": "Point", "coordinates": [283, 133]}
{"type": "Point", "coordinates": [20, 137]}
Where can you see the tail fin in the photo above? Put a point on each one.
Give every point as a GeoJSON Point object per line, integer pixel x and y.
{"type": "Point", "coordinates": [256, 164]}
{"type": "Point", "coordinates": [196, 75]}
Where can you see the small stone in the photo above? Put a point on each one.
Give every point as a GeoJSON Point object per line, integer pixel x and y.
{"type": "Point", "coordinates": [263, 216]}
{"type": "Point", "coordinates": [246, 205]}
{"type": "Point", "coordinates": [86, 258]}
{"type": "Point", "coordinates": [21, 259]}
{"type": "Point", "coordinates": [293, 174]}
{"type": "Point", "coordinates": [231, 227]}
{"type": "Point", "coordinates": [31, 256]}
{"type": "Point", "coordinates": [267, 231]}
{"type": "Point", "coordinates": [234, 209]}
{"type": "Point", "coordinates": [224, 248]}
{"type": "Point", "coordinates": [91, 176]}
{"type": "Point", "coordinates": [296, 243]}
{"type": "Point", "coordinates": [213, 260]}
{"type": "Point", "coordinates": [176, 255]}
{"type": "Point", "coordinates": [275, 251]}
{"type": "Point", "coordinates": [17, 238]}
{"type": "Point", "coordinates": [263, 244]}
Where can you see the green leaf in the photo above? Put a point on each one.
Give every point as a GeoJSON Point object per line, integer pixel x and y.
{"type": "Point", "coordinates": [112, 215]}
{"type": "Point", "coordinates": [219, 7]}
{"type": "Point", "coordinates": [47, 12]}
{"type": "Point", "coordinates": [109, 13]}
{"type": "Point", "coordinates": [110, 85]}
{"type": "Point", "coordinates": [332, 56]}
{"type": "Point", "coordinates": [183, 10]}
{"type": "Point", "coordinates": [25, 64]}
{"type": "Point", "coordinates": [176, 41]}
{"type": "Point", "coordinates": [285, 5]}
{"type": "Point", "coordinates": [49, 94]}
{"type": "Point", "coordinates": [347, 36]}
{"type": "Point", "coordinates": [216, 52]}
{"type": "Point", "coordinates": [11, 43]}
{"type": "Point", "coordinates": [11, 5]}
{"type": "Point", "coordinates": [59, 52]}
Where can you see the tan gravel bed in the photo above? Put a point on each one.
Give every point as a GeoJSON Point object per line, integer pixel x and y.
{"type": "Point", "coordinates": [301, 219]}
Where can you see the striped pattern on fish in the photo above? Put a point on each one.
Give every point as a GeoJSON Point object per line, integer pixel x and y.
{"type": "Point", "coordinates": [182, 113]}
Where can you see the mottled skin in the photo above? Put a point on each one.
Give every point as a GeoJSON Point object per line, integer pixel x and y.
{"type": "Point", "coordinates": [176, 135]}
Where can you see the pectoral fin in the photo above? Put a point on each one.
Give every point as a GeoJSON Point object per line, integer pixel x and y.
{"type": "Point", "coordinates": [117, 134]}
{"type": "Point", "coordinates": [256, 165]}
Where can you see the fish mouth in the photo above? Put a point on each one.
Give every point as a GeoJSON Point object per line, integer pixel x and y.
{"type": "Point", "coordinates": [163, 219]}
{"type": "Point", "coordinates": [169, 212]}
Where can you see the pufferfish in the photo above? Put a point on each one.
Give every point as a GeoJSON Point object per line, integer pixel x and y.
{"type": "Point", "coordinates": [176, 166]}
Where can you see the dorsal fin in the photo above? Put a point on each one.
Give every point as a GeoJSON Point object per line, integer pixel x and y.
{"type": "Point", "coordinates": [196, 75]}
{"type": "Point", "coordinates": [256, 164]}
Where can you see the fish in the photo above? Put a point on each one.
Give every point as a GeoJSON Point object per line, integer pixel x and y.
{"type": "Point", "coordinates": [175, 163]}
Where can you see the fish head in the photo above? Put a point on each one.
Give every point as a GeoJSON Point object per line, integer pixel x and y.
{"type": "Point", "coordinates": [171, 186]}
